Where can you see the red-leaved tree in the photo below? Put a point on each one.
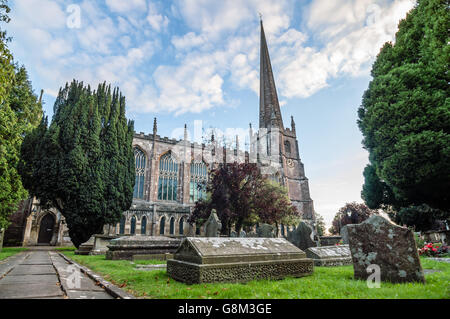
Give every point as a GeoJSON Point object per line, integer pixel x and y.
{"type": "Point", "coordinates": [242, 196]}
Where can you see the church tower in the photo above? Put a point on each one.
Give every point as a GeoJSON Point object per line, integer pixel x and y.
{"type": "Point", "coordinates": [277, 144]}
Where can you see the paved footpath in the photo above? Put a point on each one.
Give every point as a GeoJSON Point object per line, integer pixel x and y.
{"type": "Point", "coordinates": [44, 274]}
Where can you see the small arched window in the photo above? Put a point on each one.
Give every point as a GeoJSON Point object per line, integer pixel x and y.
{"type": "Point", "coordinates": [287, 146]}
{"type": "Point", "coordinates": [133, 225]}
{"type": "Point", "coordinates": [172, 226]}
{"type": "Point", "coordinates": [122, 225]}
{"type": "Point", "coordinates": [168, 178]}
{"type": "Point", "coordinates": [143, 225]}
{"type": "Point", "coordinates": [162, 225]}
{"type": "Point", "coordinates": [140, 161]}
{"type": "Point", "coordinates": [181, 226]}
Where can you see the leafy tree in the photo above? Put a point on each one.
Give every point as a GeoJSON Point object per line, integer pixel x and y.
{"type": "Point", "coordinates": [421, 218]}
{"type": "Point", "coordinates": [405, 115]}
{"type": "Point", "coordinates": [83, 162]}
{"type": "Point", "coordinates": [320, 224]}
{"type": "Point", "coordinates": [243, 197]}
{"type": "Point", "coordinates": [20, 112]}
{"type": "Point", "coordinates": [351, 213]}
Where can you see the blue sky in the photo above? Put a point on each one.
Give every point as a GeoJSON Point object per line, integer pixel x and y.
{"type": "Point", "coordinates": [188, 60]}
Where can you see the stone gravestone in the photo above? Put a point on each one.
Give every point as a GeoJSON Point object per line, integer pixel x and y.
{"type": "Point", "coordinates": [265, 231]}
{"type": "Point", "coordinates": [206, 260]}
{"type": "Point", "coordinates": [377, 241]}
{"type": "Point", "coordinates": [337, 255]}
{"type": "Point", "coordinates": [86, 248]}
{"type": "Point", "coordinates": [142, 247]}
{"type": "Point", "coordinates": [213, 225]}
{"type": "Point", "coordinates": [301, 236]}
{"type": "Point", "coordinates": [233, 234]}
{"type": "Point", "coordinates": [242, 234]}
{"type": "Point", "coordinates": [101, 242]}
{"type": "Point", "coordinates": [344, 234]}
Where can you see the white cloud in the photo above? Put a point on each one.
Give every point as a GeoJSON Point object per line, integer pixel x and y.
{"type": "Point", "coordinates": [124, 6]}
{"type": "Point", "coordinates": [157, 21]}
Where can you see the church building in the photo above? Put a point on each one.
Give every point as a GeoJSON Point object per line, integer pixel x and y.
{"type": "Point", "coordinates": [169, 170]}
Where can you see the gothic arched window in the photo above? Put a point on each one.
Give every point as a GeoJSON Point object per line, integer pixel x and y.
{"type": "Point", "coordinates": [168, 178]}
{"type": "Point", "coordinates": [122, 225]}
{"type": "Point", "coordinates": [162, 225]}
{"type": "Point", "coordinates": [172, 226]}
{"type": "Point", "coordinates": [140, 161]}
{"type": "Point", "coordinates": [199, 177]}
{"type": "Point", "coordinates": [144, 225]}
{"type": "Point", "coordinates": [181, 226]}
{"type": "Point", "coordinates": [133, 225]}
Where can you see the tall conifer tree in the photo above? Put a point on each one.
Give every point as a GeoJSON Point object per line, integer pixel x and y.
{"type": "Point", "coordinates": [83, 163]}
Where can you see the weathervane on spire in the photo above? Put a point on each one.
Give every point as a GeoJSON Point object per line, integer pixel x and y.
{"type": "Point", "coordinates": [260, 16]}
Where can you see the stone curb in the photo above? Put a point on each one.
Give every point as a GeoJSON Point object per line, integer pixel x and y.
{"type": "Point", "coordinates": [112, 289]}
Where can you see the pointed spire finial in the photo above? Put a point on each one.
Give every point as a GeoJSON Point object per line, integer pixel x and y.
{"type": "Point", "coordinates": [185, 132]}
{"type": "Point", "coordinates": [260, 16]}
{"type": "Point", "coordinates": [292, 124]}
{"type": "Point", "coordinates": [155, 126]}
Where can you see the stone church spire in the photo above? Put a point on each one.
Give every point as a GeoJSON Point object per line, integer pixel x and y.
{"type": "Point", "coordinates": [269, 107]}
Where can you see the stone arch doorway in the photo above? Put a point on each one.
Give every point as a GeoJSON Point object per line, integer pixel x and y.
{"type": "Point", "coordinates": [46, 229]}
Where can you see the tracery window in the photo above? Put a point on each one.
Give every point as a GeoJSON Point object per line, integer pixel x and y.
{"type": "Point", "coordinates": [199, 177]}
{"type": "Point", "coordinates": [140, 161]}
{"type": "Point", "coordinates": [168, 178]}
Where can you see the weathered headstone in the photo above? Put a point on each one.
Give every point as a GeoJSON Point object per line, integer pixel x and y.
{"type": "Point", "coordinates": [101, 243]}
{"type": "Point", "coordinates": [301, 236]}
{"type": "Point", "coordinates": [203, 260]}
{"type": "Point", "coordinates": [86, 247]}
{"type": "Point", "coordinates": [265, 231]}
{"type": "Point", "coordinates": [377, 241]}
{"type": "Point", "coordinates": [148, 247]}
{"type": "Point", "coordinates": [329, 240]}
{"type": "Point", "coordinates": [344, 234]}
{"type": "Point", "coordinates": [213, 225]}
{"type": "Point", "coordinates": [242, 234]}
{"type": "Point", "coordinates": [233, 234]}
{"type": "Point", "coordinates": [337, 255]}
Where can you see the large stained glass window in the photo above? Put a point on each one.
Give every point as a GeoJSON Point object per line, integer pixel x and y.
{"type": "Point", "coordinates": [199, 177]}
{"type": "Point", "coordinates": [140, 161]}
{"type": "Point", "coordinates": [168, 178]}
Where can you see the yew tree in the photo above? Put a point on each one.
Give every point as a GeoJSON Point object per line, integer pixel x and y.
{"type": "Point", "coordinates": [405, 116]}
{"type": "Point", "coordinates": [82, 163]}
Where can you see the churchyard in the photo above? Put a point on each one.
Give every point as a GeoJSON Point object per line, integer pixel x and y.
{"type": "Point", "coordinates": [325, 283]}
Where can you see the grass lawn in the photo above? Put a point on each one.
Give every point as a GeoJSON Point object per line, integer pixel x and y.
{"type": "Point", "coordinates": [325, 283]}
{"type": "Point", "coordinates": [9, 251]}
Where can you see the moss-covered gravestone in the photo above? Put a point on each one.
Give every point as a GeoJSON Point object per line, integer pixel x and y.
{"type": "Point", "coordinates": [301, 236]}
{"type": "Point", "coordinates": [202, 260]}
{"type": "Point", "coordinates": [338, 255]}
{"type": "Point", "coordinates": [142, 247]}
{"type": "Point", "coordinates": [213, 225]}
{"type": "Point", "coordinates": [380, 242]}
